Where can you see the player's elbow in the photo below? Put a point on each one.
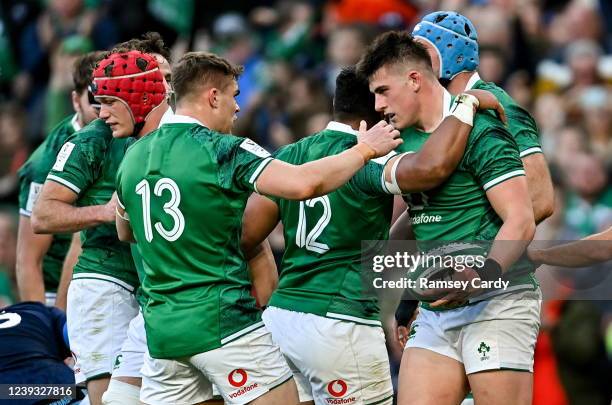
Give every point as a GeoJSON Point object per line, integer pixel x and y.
{"type": "Point", "coordinates": [544, 206]}
{"type": "Point", "coordinates": [39, 221]}
{"type": "Point", "coordinates": [248, 245]}
{"type": "Point", "coordinates": [307, 189]}
{"type": "Point", "coordinates": [525, 226]}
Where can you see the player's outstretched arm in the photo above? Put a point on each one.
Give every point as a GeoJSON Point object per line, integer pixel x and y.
{"type": "Point", "coordinates": [511, 202]}
{"type": "Point", "coordinates": [31, 250]}
{"type": "Point", "coordinates": [54, 211]}
{"type": "Point", "coordinates": [540, 186]}
{"type": "Point", "coordinates": [584, 252]}
{"type": "Point", "coordinates": [325, 175]}
{"type": "Point", "coordinates": [69, 262]}
{"type": "Point", "coordinates": [443, 151]}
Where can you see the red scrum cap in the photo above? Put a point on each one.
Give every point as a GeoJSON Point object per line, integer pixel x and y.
{"type": "Point", "coordinates": [133, 78]}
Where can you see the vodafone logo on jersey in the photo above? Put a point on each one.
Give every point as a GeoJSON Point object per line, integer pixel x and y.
{"type": "Point", "coordinates": [337, 389]}
{"type": "Point", "coordinates": [237, 379]}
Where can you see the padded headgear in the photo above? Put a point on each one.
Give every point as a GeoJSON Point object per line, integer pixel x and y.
{"type": "Point", "coordinates": [455, 39]}
{"type": "Point", "coordinates": [132, 77]}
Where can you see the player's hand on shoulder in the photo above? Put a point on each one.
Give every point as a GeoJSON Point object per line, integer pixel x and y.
{"type": "Point", "coordinates": [382, 137]}
{"type": "Point", "coordinates": [488, 101]}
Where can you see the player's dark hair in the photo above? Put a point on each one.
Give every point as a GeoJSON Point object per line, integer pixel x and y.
{"type": "Point", "coordinates": [151, 42]}
{"type": "Point", "coordinates": [82, 70]}
{"type": "Point", "coordinates": [393, 47]}
{"type": "Point", "coordinates": [197, 69]}
{"type": "Point", "coordinates": [353, 100]}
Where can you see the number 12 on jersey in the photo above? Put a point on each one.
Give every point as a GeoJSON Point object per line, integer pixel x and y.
{"type": "Point", "coordinates": [308, 241]}
{"type": "Point", "coordinates": [171, 208]}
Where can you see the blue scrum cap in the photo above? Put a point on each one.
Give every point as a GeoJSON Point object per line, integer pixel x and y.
{"type": "Point", "coordinates": [455, 39]}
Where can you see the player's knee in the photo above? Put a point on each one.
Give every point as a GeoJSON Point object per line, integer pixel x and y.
{"type": "Point", "coordinates": [120, 393]}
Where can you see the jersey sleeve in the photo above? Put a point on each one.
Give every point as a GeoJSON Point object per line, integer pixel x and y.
{"type": "Point", "coordinates": [76, 164]}
{"type": "Point", "coordinates": [370, 180]}
{"type": "Point", "coordinates": [494, 158]}
{"type": "Point", "coordinates": [29, 190]}
{"type": "Point", "coordinates": [34, 173]}
{"type": "Point", "coordinates": [525, 131]}
{"type": "Point", "coordinates": [241, 163]}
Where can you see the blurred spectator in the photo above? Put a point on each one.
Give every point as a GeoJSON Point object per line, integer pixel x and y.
{"type": "Point", "coordinates": [345, 45]}
{"type": "Point", "coordinates": [13, 149]}
{"type": "Point", "coordinates": [236, 42]}
{"type": "Point", "coordinates": [58, 102]}
{"type": "Point", "coordinates": [571, 141]}
{"type": "Point", "coordinates": [589, 200]}
{"type": "Point", "coordinates": [582, 57]}
{"type": "Point", "coordinates": [292, 38]}
{"type": "Point", "coordinates": [492, 64]}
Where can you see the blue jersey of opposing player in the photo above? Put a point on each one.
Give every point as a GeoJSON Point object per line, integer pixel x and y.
{"type": "Point", "coordinates": [32, 346]}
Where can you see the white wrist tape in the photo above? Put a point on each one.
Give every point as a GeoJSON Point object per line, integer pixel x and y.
{"type": "Point", "coordinates": [393, 187]}
{"type": "Point", "coordinates": [463, 108]}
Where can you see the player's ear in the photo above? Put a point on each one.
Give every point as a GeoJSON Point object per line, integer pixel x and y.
{"type": "Point", "coordinates": [213, 97]}
{"type": "Point", "coordinates": [415, 79]}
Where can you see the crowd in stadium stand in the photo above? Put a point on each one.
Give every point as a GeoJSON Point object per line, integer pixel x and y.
{"type": "Point", "coordinates": [554, 57]}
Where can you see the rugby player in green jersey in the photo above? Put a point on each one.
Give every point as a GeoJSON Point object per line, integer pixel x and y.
{"type": "Point", "coordinates": [184, 188]}
{"type": "Point", "coordinates": [40, 257]}
{"type": "Point", "coordinates": [101, 302]}
{"type": "Point", "coordinates": [451, 41]}
{"type": "Point", "coordinates": [488, 341]}
{"type": "Point", "coordinates": [326, 324]}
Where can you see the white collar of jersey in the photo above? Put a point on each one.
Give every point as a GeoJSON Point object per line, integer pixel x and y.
{"type": "Point", "coordinates": [181, 119]}
{"type": "Point", "coordinates": [340, 127]}
{"type": "Point", "coordinates": [75, 123]}
{"type": "Point", "coordinates": [166, 117]}
{"type": "Point", "coordinates": [475, 77]}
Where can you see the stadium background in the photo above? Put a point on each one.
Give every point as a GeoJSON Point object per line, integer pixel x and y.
{"type": "Point", "coordinates": [553, 56]}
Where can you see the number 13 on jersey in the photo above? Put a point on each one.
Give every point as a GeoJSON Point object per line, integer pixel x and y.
{"type": "Point", "coordinates": [171, 208]}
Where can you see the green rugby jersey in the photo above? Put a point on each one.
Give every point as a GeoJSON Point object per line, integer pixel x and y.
{"type": "Point", "coordinates": [458, 209]}
{"type": "Point", "coordinates": [185, 188]}
{"type": "Point", "coordinates": [87, 164]}
{"type": "Point", "coordinates": [32, 175]}
{"type": "Point", "coordinates": [321, 266]}
{"type": "Point", "coordinates": [521, 124]}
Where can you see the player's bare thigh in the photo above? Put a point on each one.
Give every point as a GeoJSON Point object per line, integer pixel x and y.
{"type": "Point", "coordinates": [284, 394]}
{"type": "Point", "coordinates": [502, 387]}
{"type": "Point", "coordinates": [429, 378]}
